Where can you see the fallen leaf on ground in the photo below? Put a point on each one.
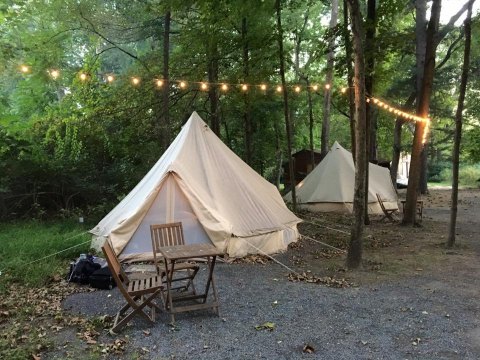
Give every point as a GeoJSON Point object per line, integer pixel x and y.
{"type": "Point", "coordinates": [270, 326]}
{"type": "Point", "coordinates": [308, 349]}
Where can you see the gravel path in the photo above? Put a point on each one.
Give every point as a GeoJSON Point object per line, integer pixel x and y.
{"type": "Point", "coordinates": [428, 316]}
{"type": "Point", "coordinates": [381, 322]}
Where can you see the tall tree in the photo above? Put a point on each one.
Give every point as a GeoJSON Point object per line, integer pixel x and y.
{"type": "Point", "coordinates": [285, 102]}
{"type": "Point", "coordinates": [458, 127]}
{"type": "Point", "coordinates": [348, 60]}
{"type": "Point", "coordinates": [166, 79]}
{"type": "Point", "coordinates": [423, 106]}
{"type": "Point", "coordinates": [329, 79]}
{"type": "Point", "coordinates": [371, 133]}
{"type": "Point", "coordinates": [246, 101]}
{"type": "Point", "coordinates": [354, 256]}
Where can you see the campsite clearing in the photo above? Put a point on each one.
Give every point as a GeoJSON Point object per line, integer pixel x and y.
{"type": "Point", "coordinates": [413, 299]}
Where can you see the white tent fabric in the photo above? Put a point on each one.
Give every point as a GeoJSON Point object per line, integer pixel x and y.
{"type": "Point", "coordinates": [218, 198]}
{"type": "Point", "coordinates": [330, 186]}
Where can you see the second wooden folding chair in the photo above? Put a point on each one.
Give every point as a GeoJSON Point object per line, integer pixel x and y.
{"type": "Point", "coordinates": [172, 235]}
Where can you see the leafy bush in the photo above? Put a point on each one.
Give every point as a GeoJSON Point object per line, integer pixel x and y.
{"type": "Point", "coordinates": [469, 175]}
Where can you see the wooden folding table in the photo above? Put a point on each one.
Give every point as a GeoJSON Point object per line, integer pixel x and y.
{"type": "Point", "coordinates": [171, 255]}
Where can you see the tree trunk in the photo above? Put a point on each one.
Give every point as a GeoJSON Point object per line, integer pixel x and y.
{"type": "Point", "coordinates": [409, 216]}
{"type": "Point", "coordinates": [421, 41]}
{"type": "Point", "coordinates": [246, 102]}
{"type": "Point", "coordinates": [354, 256]}
{"type": "Point", "coordinates": [212, 58]}
{"type": "Point", "coordinates": [312, 123]}
{"type": "Point", "coordinates": [369, 69]}
{"type": "Point", "coordinates": [166, 135]}
{"type": "Point", "coordinates": [458, 128]}
{"type": "Point", "coordinates": [329, 81]}
{"type": "Point", "coordinates": [350, 93]}
{"type": "Point", "coordinates": [285, 103]}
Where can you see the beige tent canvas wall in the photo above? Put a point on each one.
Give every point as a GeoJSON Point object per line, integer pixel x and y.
{"type": "Point", "coordinates": [218, 198]}
{"type": "Point", "coordinates": [329, 187]}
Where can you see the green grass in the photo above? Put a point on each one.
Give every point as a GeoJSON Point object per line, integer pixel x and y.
{"type": "Point", "coordinates": [27, 241]}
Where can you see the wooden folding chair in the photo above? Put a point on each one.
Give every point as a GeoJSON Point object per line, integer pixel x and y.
{"type": "Point", "coordinates": [388, 212]}
{"type": "Point", "coordinates": [172, 235]}
{"type": "Point", "coordinates": [135, 292]}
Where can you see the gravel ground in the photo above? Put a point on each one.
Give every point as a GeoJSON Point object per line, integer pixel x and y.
{"type": "Point", "coordinates": [432, 315]}
{"type": "Point", "coordinates": [373, 322]}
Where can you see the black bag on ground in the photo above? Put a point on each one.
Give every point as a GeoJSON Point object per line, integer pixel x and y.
{"type": "Point", "coordinates": [102, 279]}
{"type": "Point", "coordinates": [81, 269]}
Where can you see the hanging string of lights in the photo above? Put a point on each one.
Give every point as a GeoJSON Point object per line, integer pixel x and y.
{"type": "Point", "coordinates": [224, 86]}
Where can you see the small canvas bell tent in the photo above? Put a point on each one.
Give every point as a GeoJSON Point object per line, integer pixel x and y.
{"type": "Point", "coordinates": [218, 198]}
{"type": "Point", "coordinates": [329, 187]}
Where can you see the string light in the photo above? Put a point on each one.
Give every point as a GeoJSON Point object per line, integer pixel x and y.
{"type": "Point", "coordinates": [54, 74]}
{"type": "Point", "coordinates": [135, 80]}
{"type": "Point", "coordinates": [297, 89]}
{"type": "Point", "coordinates": [203, 86]}
{"type": "Point", "coordinates": [263, 87]}
{"type": "Point", "coordinates": [315, 87]}
{"type": "Point", "coordinates": [343, 90]}
{"type": "Point", "coordinates": [224, 87]}
{"type": "Point", "coordinates": [159, 83]}
{"type": "Point", "coordinates": [244, 87]}
{"type": "Point", "coordinates": [110, 78]}
{"type": "Point", "coordinates": [327, 86]}
{"type": "Point", "coordinates": [24, 69]}
{"type": "Point", "coordinates": [279, 89]}
{"type": "Point", "coordinates": [83, 76]}
{"type": "Point", "coordinates": [183, 84]}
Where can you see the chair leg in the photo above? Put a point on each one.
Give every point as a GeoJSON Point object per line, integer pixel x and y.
{"type": "Point", "coordinates": [136, 309]}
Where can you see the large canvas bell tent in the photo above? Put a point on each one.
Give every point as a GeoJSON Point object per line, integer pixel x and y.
{"type": "Point", "coordinates": [218, 198]}
{"type": "Point", "coordinates": [330, 186]}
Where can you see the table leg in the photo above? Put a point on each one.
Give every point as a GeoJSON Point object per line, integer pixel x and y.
{"type": "Point", "coordinates": [211, 281]}
{"type": "Point", "coordinates": [169, 273]}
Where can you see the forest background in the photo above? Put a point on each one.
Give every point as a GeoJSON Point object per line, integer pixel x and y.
{"type": "Point", "coordinates": [75, 144]}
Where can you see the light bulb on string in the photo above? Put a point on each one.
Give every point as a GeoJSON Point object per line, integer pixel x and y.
{"type": "Point", "coordinates": [244, 87]}
{"type": "Point", "coordinates": [135, 81]}
{"type": "Point", "coordinates": [24, 69]}
{"type": "Point", "coordinates": [224, 87]}
{"type": "Point", "coordinates": [159, 83]}
{"type": "Point", "coordinates": [279, 89]}
{"type": "Point", "coordinates": [297, 89]}
{"type": "Point", "coordinates": [83, 76]}
{"type": "Point", "coordinates": [343, 90]}
{"type": "Point", "coordinates": [54, 74]}
{"type": "Point", "coordinates": [203, 86]}
{"type": "Point", "coordinates": [327, 86]}
{"type": "Point", "coordinates": [182, 84]}
{"type": "Point", "coordinates": [263, 87]}
{"type": "Point", "coordinates": [110, 78]}
{"type": "Point", "coordinates": [315, 87]}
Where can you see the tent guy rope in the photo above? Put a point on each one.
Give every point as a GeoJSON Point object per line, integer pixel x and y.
{"type": "Point", "coordinates": [58, 252]}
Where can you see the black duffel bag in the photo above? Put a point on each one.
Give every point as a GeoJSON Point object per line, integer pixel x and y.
{"type": "Point", "coordinates": [102, 279]}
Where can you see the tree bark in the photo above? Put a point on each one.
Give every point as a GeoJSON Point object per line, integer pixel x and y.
{"type": "Point", "coordinates": [421, 41]}
{"type": "Point", "coordinates": [354, 256]}
{"type": "Point", "coordinates": [350, 93]}
{"type": "Point", "coordinates": [166, 133]}
{"type": "Point", "coordinates": [328, 80]}
{"type": "Point", "coordinates": [212, 70]}
{"type": "Point", "coordinates": [312, 122]}
{"type": "Point", "coordinates": [458, 128]}
{"type": "Point", "coordinates": [285, 102]}
{"type": "Point", "coordinates": [409, 216]}
{"type": "Point", "coordinates": [246, 101]}
{"type": "Point", "coordinates": [369, 69]}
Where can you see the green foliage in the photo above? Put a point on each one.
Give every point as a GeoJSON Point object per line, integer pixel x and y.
{"type": "Point", "coordinates": [26, 242]}
{"type": "Point", "coordinates": [71, 146]}
{"type": "Point", "coordinates": [468, 176]}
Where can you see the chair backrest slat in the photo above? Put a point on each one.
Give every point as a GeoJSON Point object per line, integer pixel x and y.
{"type": "Point", "coordinates": [166, 235]}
